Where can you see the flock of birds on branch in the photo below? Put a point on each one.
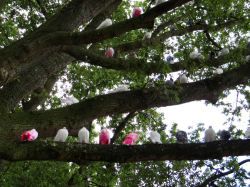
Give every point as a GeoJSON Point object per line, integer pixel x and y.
{"type": "Point", "coordinates": [194, 55]}
{"type": "Point", "coordinates": [104, 137]}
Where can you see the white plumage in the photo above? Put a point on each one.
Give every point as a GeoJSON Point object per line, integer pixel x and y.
{"type": "Point", "coordinates": [155, 137]}
{"type": "Point", "coordinates": [70, 100]}
{"type": "Point", "coordinates": [247, 133]}
{"type": "Point", "coordinates": [147, 36]}
{"type": "Point", "coordinates": [61, 135]}
{"type": "Point", "coordinates": [107, 22]}
{"type": "Point", "coordinates": [195, 55]}
{"type": "Point", "coordinates": [159, 2]}
{"type": "Point", "coordinates": [200, 56]}
{"type": "Point", "coordinates": [210, 134]}
{"type": "Point", "coordinates": [190, 3]}
{"type": "Point", "coordinates": [224, 51]}
{"type": "Point", "coordinates": [248, 58]}
{"type": "Point", "coordinates": [183, 79]}
{"type": "Point", "coordinates": [83, 135]}
{"type": "Point", "coordinates": [120, 88]}
{"type": "Point", "coordinates": [218, 71]}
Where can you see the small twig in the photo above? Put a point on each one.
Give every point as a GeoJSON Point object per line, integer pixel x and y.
{"type": "Point", "coordinates": [122, 125]}
{"type": "Point", "coordinates": [211, 40]}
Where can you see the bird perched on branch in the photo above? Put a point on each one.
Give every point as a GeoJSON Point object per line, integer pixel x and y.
{"type": "Point", "coordinates": [195, 55]}
{"type": "Point", "coordinates": [83, 135]}
{"type": "Point", "coordinates": [247, 133]}
{"type": "Point", "coordinates": [61, 135]}
{"type": "Point", "coordinates": [104, 137]}
{"type": "Point", "coordinates": [110, 52]}
{"type": "Point", "coordinates": [225, 135]}
{"type": "Point", "coordinates": [183, 79]}
{"type": "Point", "coordinates": [170, 59]}
{"type": "Point", "coordinates": [224, 51]}
{"type": "Point", "coordinates": [172, 28]}
{"type": "Point", "coordinates": [147, 35]}
{"type": "Point", "coordinates": [29, 135]}
{"type": "Point", "coordinates": [181, 137]}
{"type": "Point", "coordinates": [136, 12]}
{"type": "Point", "coordinates": [107, 22]}
{"type": "Point", "coordinates": [169, 82]}
{"type": "Point", "coordinates": [155, 137]}
{"type": "Point", "coordinates": [70, 100]}
{"type": "Point", "coordinates": [159, 2]}
{"type": "Point", "coordinates": [218, 71]}
{"type": "Point", "coordinates": [131, 139]}
{"type": "Point", "coordinates": [210, 134]}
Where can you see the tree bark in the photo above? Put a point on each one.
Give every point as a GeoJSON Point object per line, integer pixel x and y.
{"type": "Point", "coordinates": [82, 153]}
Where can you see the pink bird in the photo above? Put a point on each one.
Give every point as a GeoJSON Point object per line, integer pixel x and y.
{"type": "Point", "coordinates": [110, 52]}
{"type": "Point", "coordinates": [136, 12]}
{"type": "Point", "coordinates": [131, 139]}
{"type": "Point", "coordinates": [104, 137]}
{"type": "Point", "coordinates": [29, 135]}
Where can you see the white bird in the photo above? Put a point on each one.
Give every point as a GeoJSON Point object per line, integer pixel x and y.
{"type": "Point", "coordinates": [183, 79]}
{"type": "Point", "coordinates": [194, 55]}
{"type": "Point", "coordinates": [83, 135]}
{"type": "Point", "coordinates": [248, 58]}
{"type": "Point", "coordinates": [155, 137]}
{"type": "Point", "coordinates": [120, 88]}
{"type": "Point", "coordinates": [159, 2]}
{"type": "Point", "coordinates": [190, 3]}
{"type": "Point", "coordinates": [247, 133]}
{"type": "Point", "coordinates": [210, 134]}
{"type": "Point", "coordinates": [70, 100]}
{"type": "Point", "coordinates": [61, 135]}
{"type": "Point", "coordinates": [218, 71]}
{"type": "Point", "coordinates": [224, 51]}
{"type": "Point", "coordinates": [200, 56]}
{"type": "Point", "coordinates": [147, 35]}
{"type": "Point", "coordinates": [107, 22]}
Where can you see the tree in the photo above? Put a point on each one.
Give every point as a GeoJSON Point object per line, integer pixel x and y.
{"type": "Point", "coordinates": [45, 44]}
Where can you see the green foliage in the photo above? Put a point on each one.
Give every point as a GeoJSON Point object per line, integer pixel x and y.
{"type": "Point", "coordinates": [23, 16]}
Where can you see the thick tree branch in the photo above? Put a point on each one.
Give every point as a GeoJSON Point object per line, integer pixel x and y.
{"type": "Point", "coordinates": [214, 177]}
{"type": "Point", "coordinates": [121, 126]}
{"type": "Point", "coordinates": [77, 12]}
{"type": "Point", "coordinates": [132, 46]}
{"type": "Point", "coordinates": [3, 3]}
{"type": "Point", "coordinates": [37, 99]}
{"type": "Point", "coordinates": [82, 153]}
{"type": "Point", "coordinates": [34, 77]}
{"type": "Point", "coordinates": [121, 102]}
{"type": "Point", "coordinates": [9, 57]}
{"type": "Point", "coordinates": [139, 65]}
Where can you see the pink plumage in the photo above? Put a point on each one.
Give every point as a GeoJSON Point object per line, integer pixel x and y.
{"type": "Point", "coordinates": [110, 52]}
{"type": "Point", "coordinates": [29, 135]}
{"type": "Point", "coordinates": [131, 139]}
{"type": "Point", "coordinates": [104, 137]}
{"type": "Point", "coordinates": [136, 12]}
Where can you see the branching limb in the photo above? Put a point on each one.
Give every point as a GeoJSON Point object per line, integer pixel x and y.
{"type": "Point", "coordinates": [133, 46]}
{"type": "Point", "coordinates": [59, 38]}
{"type": "Point", "coordinates": [38, 99]}
{"type": "Point", "coordinates": [214, 177]}
{"type": "Point", "coordinates": [138, 65]}
{"type": "Point", "coordinates": [122, 125]}
{"type": "Point", "coordinates": [211, 40]}
{"type": "Point", "coordinates": [122, 102]}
